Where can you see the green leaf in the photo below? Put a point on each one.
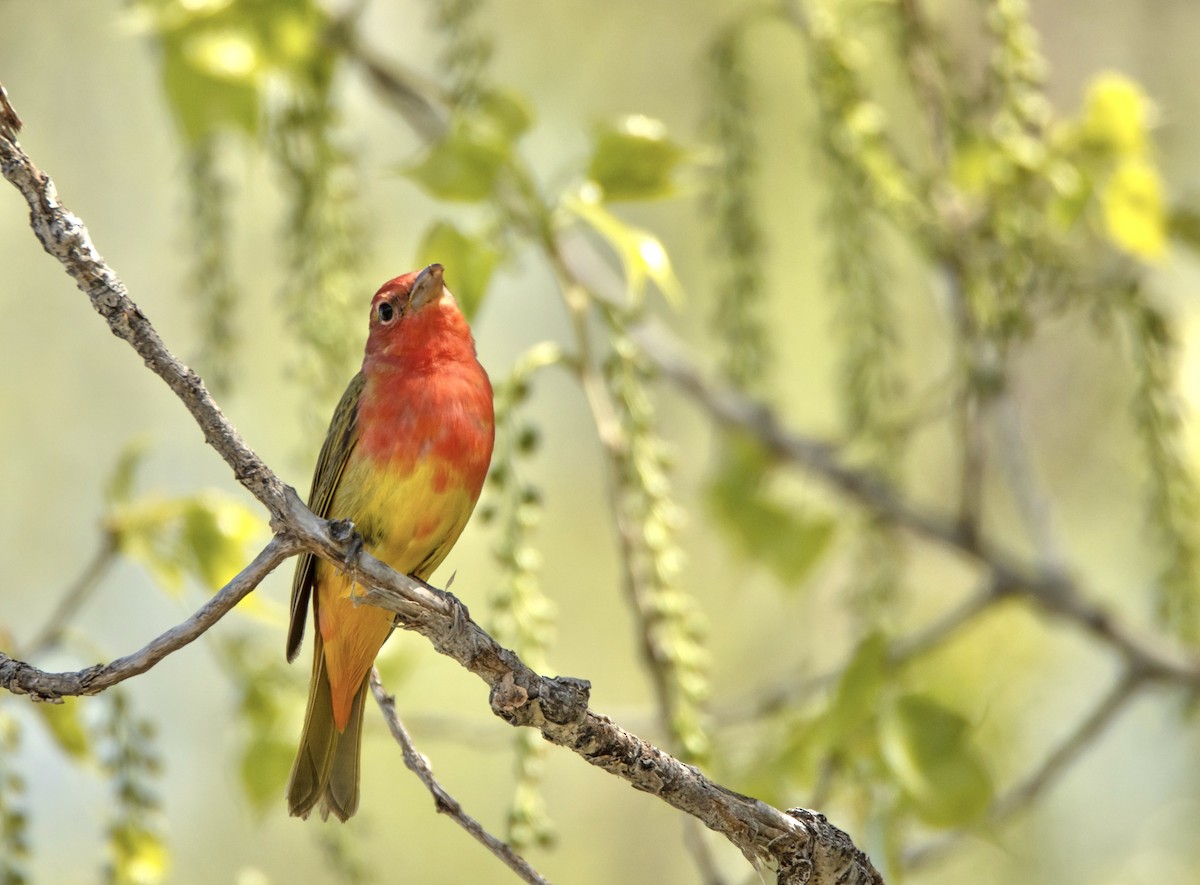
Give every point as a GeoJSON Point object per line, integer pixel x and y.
{"type": "Point", "coordinates": [927, 748]}
{"type": "Point", "coordinates": [759, 526]}
{"type": "Point", "coordinates": [216, 531]}
{"type": "Point", "coordinates": [210, 78]}
{"type": "Point", "coordinates": [66, 727]}
{"type": "Point", "coordinates": [265, 767]}
{"type": "Point", "coordinates": [634, 159]}
{"type": "Point", "coordinates": [507, 111]}
{"type": "Point", "coordinates": [641, 253]}
{"type": "Point", "coordinates": [464, 165]}
{"type": "Point", "coordinates": [120, 483]}
{"type": "Point", "coordinates": [860, 688]}
{"type": "Point", "coordinates": [204, 535]}
{"type": "Point", "coordinates": [469, 260]}
{"type": "Point", "coordinates": [146, 531]}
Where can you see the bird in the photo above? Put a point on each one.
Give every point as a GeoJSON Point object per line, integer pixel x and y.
{"type": "Point", "coordinates": [404, 459]}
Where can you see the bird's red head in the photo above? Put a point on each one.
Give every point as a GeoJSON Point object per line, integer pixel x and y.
{"type": "Point", "coordinates": [413, 312]}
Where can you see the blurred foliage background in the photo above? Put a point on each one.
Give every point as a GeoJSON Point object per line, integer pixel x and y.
{"type": "Point", "coordinates": [955, 238]}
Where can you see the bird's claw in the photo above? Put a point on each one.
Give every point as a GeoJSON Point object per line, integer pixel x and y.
{"type": "Point", "coordinates": [343, 532]}
{"type": "Point", "coordinates": [459, 610]}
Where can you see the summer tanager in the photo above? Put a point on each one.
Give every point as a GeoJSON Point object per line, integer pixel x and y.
{"type": "Point", "coordinates": [405, 458]}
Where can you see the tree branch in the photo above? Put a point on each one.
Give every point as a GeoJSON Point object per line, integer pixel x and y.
{"type": "Point", "coordinates": [558, 708]}
{"type": "Point", "coordinates": [803, 846]}
{"type": "Point", "coordinates": [21, 678]}
{"type": "Point", "coordinates": [445, 803]}
{"type": "Point", "coordinates": [1057, 593]}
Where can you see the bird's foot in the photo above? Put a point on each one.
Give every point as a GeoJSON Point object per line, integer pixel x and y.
{"type": "Point", "coordinates": [459, 610]}
{"type": "Point", "coordinates": [343, 532]}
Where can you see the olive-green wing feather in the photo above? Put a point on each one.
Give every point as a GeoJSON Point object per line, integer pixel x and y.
{"type": "Point", "coordinates": [339, 442]}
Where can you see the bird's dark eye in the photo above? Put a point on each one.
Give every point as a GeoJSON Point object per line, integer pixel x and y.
{"type": "Point", "coordinates": [387, 313]}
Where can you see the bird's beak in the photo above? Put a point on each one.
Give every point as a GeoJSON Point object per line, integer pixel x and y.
{"type": "Point", "coordinates": [427, 287]}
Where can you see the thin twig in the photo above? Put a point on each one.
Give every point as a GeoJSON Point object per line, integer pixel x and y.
{"type": "Point", "coordinates": [929, 82]}
{"type": "Point", "coordinates": [695, 839]}
{"type": "Point", "coordinates": [1032, 503]}
{"type": "Point", "coordinates": [445, 803]}
{"type": "Point", "coordinates": [972, 406]}
{"type": "Point", "coordinates": [608, 429]}
{"type": "Point", "coordinates": [21, 678]}
{"type": "Point", "coordinates": [422, 103]}
{"type": "Point", "coordinates": [1059, 760]}
{"type": "Point", "coordinates": [73, 599]}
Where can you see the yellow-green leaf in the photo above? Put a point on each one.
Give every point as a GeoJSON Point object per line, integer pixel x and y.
{"type": "Point", "coordinates": [209, 79]}
{"type": "Point", "coordinates": [223, 54]}
{"type": "Point", "coordinates": [139, 856]}
{"type": "Point", "coordinates": [761, 527]}
{"type": "Point", "coordinates": [146, 530]}
{"type": "Point", "coordinates": [216, 531]}
{"type": "Point", "coordinates": [860, 687]}
{"type": "Point", "coordinates": [204, 535]}
{"type": "Point", "coordinates": [120, 482]}
{"type": "Point", "coordinates": [642, 254]}
{"type": "Point", "coordinates": [927, 748]}
{"type": "Point", "coordinates": [464, 164]}
{"type": "Point", "coordinates": [634, 159]}
{"type": "Point", "coordinates": [508, 111]}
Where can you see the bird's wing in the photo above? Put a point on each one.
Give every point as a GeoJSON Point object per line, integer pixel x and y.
{"type": "Point", "coordinates": [339, 443]}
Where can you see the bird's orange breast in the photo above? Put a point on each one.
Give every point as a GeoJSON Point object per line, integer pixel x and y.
{"type": "Point", "coordinates": [410, 485]}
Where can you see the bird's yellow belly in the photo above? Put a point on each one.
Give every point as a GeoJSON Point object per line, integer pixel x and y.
{"type": "Point", "coordinates": [409, 518]}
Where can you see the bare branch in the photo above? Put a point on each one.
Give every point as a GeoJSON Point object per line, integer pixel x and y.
{"type": "Point", "coordinates": [1027, 492]}
{"type": "Point", "coordinates": [1072, 746]}
{"type": "Point", "coordinates": [21, 678]}
{"type": "Point", "coordinates": [1056, 593]}
{"type": "Point", "coordinates": [558, 708]}
{"type": "Point", "coordinates": [421, 103]}
{"type": "Point", "coordinates": [445, 803]}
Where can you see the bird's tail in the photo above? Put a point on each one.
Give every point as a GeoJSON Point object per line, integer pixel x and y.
{"type": "Point", "coordinates": [326, 769]}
